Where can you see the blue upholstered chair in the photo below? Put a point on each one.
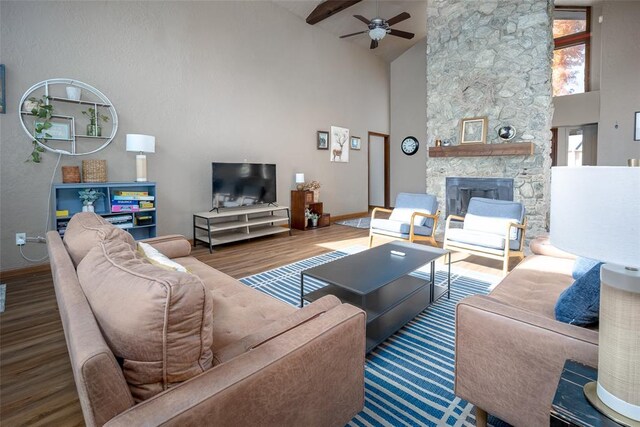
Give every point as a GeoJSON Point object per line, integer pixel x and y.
{"type": "Point", "coordinates": [491, 228]}
{"type": "Point", "coordinates": [414, 218]}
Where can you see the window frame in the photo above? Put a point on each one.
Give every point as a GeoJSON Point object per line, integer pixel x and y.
{"type": "Point", "coordinates": [576, 39]}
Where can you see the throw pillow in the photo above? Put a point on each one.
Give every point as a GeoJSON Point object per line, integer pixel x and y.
{"type": "Point", "coordinates": [581, 266]}
{"type": "Point", "coordinates": [156, 258]}
{"type": "Point", "coordinates": [579, 304]}
{"type": "Point", "coordinates": [158, 322]}
{"type": "Point", "coordinates": [85, 230]}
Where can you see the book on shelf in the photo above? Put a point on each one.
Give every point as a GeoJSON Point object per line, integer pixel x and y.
{"type": "Point", "coordinates": [124, 202]}
{"type": "Point", "coordinates": [146, 205]}
{"type": "Point", "coordinates": [62, 213]}
{"type": "Point", "coordinates": [130, 193]}
{"type": "Point", "coordinates": [147, 198]}
{"type": "Point", "coordinates": [125, 208]}
{"type": "Point", "coordinates": [124, 225]}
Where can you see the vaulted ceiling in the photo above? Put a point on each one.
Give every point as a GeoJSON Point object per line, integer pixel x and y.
{"type": "Point", "coordinates": [343, 22]}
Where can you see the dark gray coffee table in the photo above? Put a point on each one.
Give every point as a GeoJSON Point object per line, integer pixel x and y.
{"type": "Point", "coordinates": [378, 281]}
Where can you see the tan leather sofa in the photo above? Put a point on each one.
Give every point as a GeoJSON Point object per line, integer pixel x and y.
{"type": "Point", "coordinates": [510, 350]}
{"type": "Point", "coordinates": [273, 365]}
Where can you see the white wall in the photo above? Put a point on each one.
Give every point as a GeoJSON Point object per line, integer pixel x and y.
{"type": "Point", "coordinates": [213, 81]}
{"type": "Point", "coordinates": [620, 83]}
{"type": "Point", "coordinates": [577, 109]}
{"type": "Point", "coordinates": [408, 118]}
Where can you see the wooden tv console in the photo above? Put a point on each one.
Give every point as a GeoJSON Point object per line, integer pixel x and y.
{"type": "Point", "coordinates": [232, 225]}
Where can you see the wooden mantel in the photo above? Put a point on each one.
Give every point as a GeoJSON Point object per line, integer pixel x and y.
{"type": "Point", "coordinates": [481, 150]}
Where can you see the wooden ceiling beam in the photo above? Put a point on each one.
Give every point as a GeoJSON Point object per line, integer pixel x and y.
{"type": "Point", "coordinates": [328, 8]}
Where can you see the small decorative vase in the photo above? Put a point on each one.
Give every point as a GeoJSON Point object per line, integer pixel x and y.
{"type": "Point", "coordinates": [316, 196]}
{"type": "Point", "coordinates": [88, 208]}
{"type": "Point", "coordinates": [314, 222]}
{"type": "Point", "coordinates": [94, 130]}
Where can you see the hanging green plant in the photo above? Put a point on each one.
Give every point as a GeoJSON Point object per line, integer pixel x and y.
{"type": "Point", "coordinates": [42, 111]}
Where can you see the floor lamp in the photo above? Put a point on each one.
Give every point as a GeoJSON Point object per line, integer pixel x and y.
{"type": "Point", "coordinates": [595, 213]}
{"type": "Point", "coordinates": [141, 144]}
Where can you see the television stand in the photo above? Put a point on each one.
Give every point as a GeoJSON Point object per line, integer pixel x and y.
{"type": "Point", "coordinates": [232, 225]}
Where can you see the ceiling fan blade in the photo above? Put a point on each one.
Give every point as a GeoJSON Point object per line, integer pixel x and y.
{"type": "Point", "coordinates": [374, 44]}
{"type": "Point", "coordinates": [354, 34]}
{"type": "Point", "coordinates": [328, 8]}
{"type": "Point", "coordinates": [362, 18]}
{"type": "Point", "coordinates": [398, 18]}
{"type": "Point", "coordinates": [403, 34]}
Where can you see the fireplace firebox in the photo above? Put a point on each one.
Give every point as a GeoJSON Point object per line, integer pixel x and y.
{"type": "Point", "coordinates": [460, 190]}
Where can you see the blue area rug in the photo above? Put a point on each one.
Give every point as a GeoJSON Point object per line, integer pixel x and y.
{"type": "Point", "coordinates": [3, 295]}
{"type": "Point", "coordinates": [364, 222]}
{"type": "Point", "coordinates": [409, 377]}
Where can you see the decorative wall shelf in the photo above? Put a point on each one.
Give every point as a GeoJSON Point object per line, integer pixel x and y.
{"type": "Point", "coordinates": [482, 150]}
{"type": "Point", "coordinates": [52, 89]}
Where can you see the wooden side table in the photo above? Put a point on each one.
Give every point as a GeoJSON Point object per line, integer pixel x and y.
{"type": "Point", "coordinates": [570, 407]}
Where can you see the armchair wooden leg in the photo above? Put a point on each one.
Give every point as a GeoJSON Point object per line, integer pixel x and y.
{"type": "Point", "coordinates": [370, 239]}
{"type": "Point", "coordinates": [481, 417]}
{"type": "Point", "coordinates": [505, 266]}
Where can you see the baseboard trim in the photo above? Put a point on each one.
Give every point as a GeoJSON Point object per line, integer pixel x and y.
{"type": "Point", "coordinates": [20, 272]}
{"type": "Point", "coordinates": [349, 216]}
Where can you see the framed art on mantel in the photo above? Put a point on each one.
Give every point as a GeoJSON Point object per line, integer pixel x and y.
{"type": "Point", "coordinates": [339, 144]}
{"type": "Point", "coordinates": [323, 140]}
{"type": "Point", "coordinates": [473, 130]}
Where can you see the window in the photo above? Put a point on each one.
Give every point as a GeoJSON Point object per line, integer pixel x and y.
{"type": "Point", "coordinates": [571, 37]}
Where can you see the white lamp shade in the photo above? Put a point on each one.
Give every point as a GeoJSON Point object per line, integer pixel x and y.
{"type": "Point", "coordinates": [595, 212]}
{"type": "Point", "coordinates": [141, 143]}
{"type": "Point", "coordinates": [299, 178]}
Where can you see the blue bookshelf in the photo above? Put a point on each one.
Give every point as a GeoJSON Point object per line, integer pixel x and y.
{"type": "Point", "coordinates": [141, 224]}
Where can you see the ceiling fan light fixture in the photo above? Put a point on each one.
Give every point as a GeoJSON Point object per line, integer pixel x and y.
{"type": "Point", "coordinates": [377, 33]}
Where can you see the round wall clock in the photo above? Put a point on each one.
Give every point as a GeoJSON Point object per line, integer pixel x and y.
{"type": "Point", "coordinates": [409, 145]}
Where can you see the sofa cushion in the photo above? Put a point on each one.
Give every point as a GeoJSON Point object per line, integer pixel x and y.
{"type": "Point", "coordinates": [535, 284]}
{"type": "Point", "coordinates": [479, 238]}
{"type": "Point", "coordinates": [238, 310]}
{"type": "Point", "coordinates": [485, 224]}
{"type": "Point", "coordinates": [408, 203]}
{"type": "Point", "coordinates": [579, 304]}
{"type": "Point", "coordinates": [582, 266]}
{"type": "Point", "coordinates": [85, 230]}
{"type": "Point", "coordinates": [400, 228]}
{"type": "Point", "coordinates": [158, 322]}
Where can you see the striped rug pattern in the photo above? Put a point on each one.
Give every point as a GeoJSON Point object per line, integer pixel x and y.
{"type": "Point", "coordinates": [409, 377]}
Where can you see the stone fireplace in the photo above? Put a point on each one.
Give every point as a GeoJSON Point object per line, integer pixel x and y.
{"type": "Point", "coordinates": [491, 59]}
{"type": "Point", "coordinates": [460, 190]}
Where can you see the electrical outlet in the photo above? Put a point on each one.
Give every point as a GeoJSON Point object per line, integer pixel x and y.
{"type": "Point", "coordinates": [21, 239]}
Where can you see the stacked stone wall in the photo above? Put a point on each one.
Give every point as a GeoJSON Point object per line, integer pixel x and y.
{"type": "Point", "coordinates": [492, 58]}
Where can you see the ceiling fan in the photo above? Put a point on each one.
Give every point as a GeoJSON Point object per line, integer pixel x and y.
{"type": "Point", "coordinates": [378, 28]}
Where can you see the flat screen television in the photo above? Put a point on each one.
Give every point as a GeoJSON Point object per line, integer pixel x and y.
{"type": "Point", "coordinates": [243, 184]}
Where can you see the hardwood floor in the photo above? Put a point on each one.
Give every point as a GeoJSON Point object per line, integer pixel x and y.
{"type": "Point", "coordinates": [36, 382]}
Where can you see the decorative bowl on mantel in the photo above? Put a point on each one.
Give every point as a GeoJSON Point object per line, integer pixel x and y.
{"type": "Point", "coordinates": [507, 133]}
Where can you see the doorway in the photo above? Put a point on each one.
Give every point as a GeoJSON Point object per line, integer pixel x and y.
{"type": "Point", "coordinates": [379, 165]}
{"type": "Point", "coordinates": [575, 145]}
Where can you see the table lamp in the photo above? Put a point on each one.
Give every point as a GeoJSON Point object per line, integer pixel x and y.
{"type": "Point", "coordinates": [595, 213]}
{"type": "Point", "coordinates": [141, 144]}
{"type": "Point", "coordinates": [300, 181]}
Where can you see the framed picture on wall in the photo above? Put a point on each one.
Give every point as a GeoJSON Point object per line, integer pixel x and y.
{"type": "Point", "coordinates": [473, 130]}
{"type": "Point", "coordinates": [339, 145]}
{"type": "Point", "coordinates": [636, 134]}
{"type": "Point", "coordinates": [323, 140]}
{"type": "Point", "coordinates": [355, 143]}
{"type": "Point", "coordinates": [3, 96]}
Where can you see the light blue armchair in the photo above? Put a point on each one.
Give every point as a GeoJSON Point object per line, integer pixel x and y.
{"type": "Point", "coordinates": [414, 218]}
{"type": "Point", "coordinates": [492, 228]}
